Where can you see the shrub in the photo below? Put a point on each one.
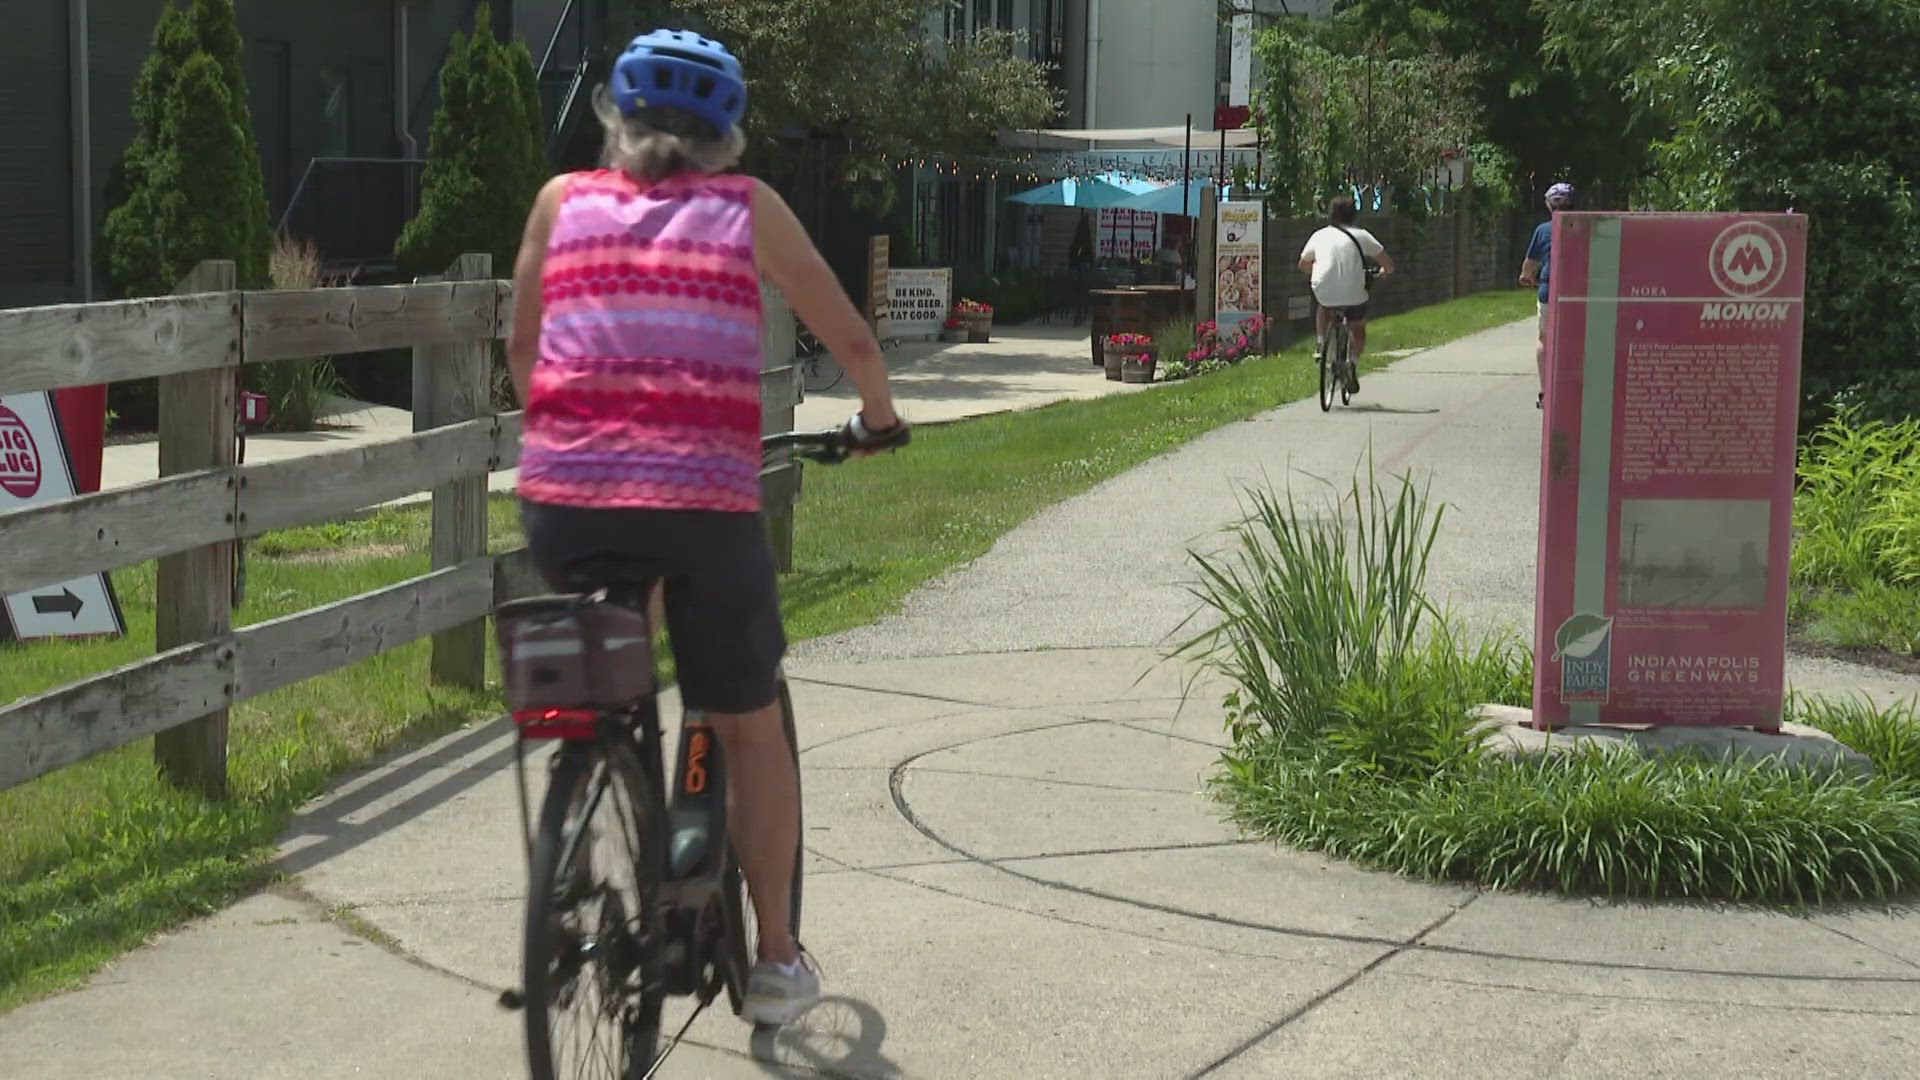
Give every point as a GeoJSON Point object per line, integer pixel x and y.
{"type": "Point", "coordinates": [1856, 555]}
{"type": "Point", "coordinates": [193, 182]}
{"type": "Point", "coordinates": [189, 187]}
{"type": "Point", "coordinates": [1854, 510]}
{"type": "Point", "coordinates": [485, 156]}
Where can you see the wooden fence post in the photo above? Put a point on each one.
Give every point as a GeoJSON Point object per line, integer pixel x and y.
{"type": "Point", "coordinates": [193, 593]}
{"type": "Point", "coordinates": [1463, 231]}
{"type": "Point", "coordinates": [779, 391]}
{"type": "Point", "coordinates": [457, 380]}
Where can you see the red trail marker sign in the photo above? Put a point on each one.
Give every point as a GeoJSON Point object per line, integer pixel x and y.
{"type": "Point", "coordinates": [1667, 463]}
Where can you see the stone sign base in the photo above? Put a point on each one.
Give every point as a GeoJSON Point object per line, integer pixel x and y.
{"type": "Point", "coordinates": [1510, 732]}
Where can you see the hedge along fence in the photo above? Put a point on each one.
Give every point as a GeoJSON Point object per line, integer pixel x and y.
{"type": "Point", "coordinates": [199, 342]}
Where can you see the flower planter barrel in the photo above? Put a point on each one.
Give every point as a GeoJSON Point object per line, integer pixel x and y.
{"type": "Point", "coordinates": [1116, 311]}
{"type": "Point", "coordinates": [1136, 371]}
{"type": "Point", "coordinates": [979, 326]}
{"type": "Point", "coordinates": [1113, 359]}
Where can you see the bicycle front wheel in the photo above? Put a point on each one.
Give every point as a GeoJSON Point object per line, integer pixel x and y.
{"type": "Point", "coordinates": [593, 986]}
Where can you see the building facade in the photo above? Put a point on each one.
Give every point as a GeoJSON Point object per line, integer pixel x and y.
{"type": "Point", "coordinates": [341, 96]}
{"type": "Point", "coordinates": [1116, 64]}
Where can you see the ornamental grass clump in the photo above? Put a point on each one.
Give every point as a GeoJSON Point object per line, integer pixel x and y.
{"type": "Point", "coordinates": [1353, 718]}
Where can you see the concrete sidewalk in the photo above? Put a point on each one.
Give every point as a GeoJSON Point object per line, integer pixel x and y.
{"type": "Point", "coordinates": [1023, 367]}
{"type": "Point", "coordinates": [1013, 870]}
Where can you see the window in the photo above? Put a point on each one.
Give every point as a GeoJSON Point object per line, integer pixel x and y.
{"type": "Point", "coordinates": [336, 113]}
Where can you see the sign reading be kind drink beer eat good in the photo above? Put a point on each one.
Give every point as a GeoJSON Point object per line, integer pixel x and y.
{"type": "Point", "coordinates": [1666, 510]}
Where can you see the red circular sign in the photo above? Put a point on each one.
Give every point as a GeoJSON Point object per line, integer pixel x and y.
{"type": "Point", "coordinates": [1748, 259]}
{"type": "Point", "coordinates": [19, 458]}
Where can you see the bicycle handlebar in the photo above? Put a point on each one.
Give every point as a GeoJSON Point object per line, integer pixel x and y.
{"type": "Point", "coordinates": [829, 447]}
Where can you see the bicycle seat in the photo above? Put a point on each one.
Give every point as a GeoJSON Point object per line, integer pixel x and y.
{"type": "Point", "coordinates": [620, 575]}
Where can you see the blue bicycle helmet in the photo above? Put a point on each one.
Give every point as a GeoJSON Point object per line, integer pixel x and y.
{"type": "Point", "coordinates": [680, 69]}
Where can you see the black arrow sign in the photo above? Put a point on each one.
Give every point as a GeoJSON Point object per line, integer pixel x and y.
{"type": "Point", "coordinates": [66, 601]}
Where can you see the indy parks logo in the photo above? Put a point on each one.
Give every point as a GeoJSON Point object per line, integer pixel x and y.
{"type": "Point", "coordinates": [1583, 646]}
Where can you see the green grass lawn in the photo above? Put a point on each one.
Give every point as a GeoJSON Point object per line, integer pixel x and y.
{"type": "Point", "coordinates": [97, 857]}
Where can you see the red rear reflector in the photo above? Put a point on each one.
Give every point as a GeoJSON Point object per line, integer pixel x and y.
{"type": "Point", "coordinates": [557, 723]}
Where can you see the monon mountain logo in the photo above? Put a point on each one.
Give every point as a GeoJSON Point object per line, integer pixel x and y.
{"type": "Point", "coordinates": [1748, 259]}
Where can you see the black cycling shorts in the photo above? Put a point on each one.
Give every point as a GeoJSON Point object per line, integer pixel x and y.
{"type": "Point", "coordinates": [722, 599]}
{"type": "Point", "coordinates": [1355, 312]}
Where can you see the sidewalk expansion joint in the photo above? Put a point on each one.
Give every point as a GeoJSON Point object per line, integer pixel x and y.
{"type": "Point", "coordinates": [1331, 992]}
{"type": "Point", "coordinates": [346, 918]}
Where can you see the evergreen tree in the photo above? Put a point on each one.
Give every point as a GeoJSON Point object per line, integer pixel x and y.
{"type": "Point", "coordinates": [485, 156]}
{"type": "Point", "coordinates": [193, 184]}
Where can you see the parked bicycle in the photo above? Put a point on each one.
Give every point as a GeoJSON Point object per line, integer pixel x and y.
{"type": "Point", "coordinates": [635, 893]}
{"type": "Point", "coordinates": [818, 369]}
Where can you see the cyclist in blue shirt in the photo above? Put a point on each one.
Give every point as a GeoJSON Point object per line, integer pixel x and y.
{"type": "Point", "coordinates": [1535, 271]}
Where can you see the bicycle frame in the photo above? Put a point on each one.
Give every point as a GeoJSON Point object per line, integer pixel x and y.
{"type": "Point", "coordinates": [696, 816]}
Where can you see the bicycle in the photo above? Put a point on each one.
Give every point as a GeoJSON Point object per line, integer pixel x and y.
{"type": "Point", "coordinates": [651, 903]}
{"type": "Point", "coordinates": [818, 370]}
{"type": "Point", "coordinates": [1336, 361]}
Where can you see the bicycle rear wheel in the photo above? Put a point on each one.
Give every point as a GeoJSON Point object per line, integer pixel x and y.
{"type": "Point", "coordinates": [593, 989]}
{"type": "Point", "coordinates": [819, 372]}
{"type": "Point", "coordinates": [742, 929]}
{"type": "Point", "coordinates": [1343, 372]}
{"type": "Point", "coordinates": [1327, 370]}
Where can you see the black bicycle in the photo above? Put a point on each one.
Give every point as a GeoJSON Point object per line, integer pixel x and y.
{"type": "Point", "coordinates": [634, 891]}
{"type": "Point", "coordinates": [818, 369]}
{"type": "Point", "coordinates": [1336, 361]}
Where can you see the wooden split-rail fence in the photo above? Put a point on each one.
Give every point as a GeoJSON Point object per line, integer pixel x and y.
{"type": "Point", "coordinates": [199, 343]}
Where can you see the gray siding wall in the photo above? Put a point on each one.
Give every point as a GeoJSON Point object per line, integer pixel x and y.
{"type": "Point", "coordinates": [36, 197]}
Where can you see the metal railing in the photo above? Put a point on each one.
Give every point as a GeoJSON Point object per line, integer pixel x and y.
{"type": "Point", "coordinates": [353, 208]}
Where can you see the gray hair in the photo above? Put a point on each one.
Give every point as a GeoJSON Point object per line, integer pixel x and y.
{"type": "Point", "coordinates": [656, 143]}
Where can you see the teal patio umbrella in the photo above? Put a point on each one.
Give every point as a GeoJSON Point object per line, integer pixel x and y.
{"type": "Point", "coordinates": [1175, 199]}
{"type": "Point", "coordinates": [1083, 193]}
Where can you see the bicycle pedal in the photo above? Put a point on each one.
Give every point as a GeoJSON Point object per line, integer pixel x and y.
{"type": "Point", "coordinates": [512, 1000]}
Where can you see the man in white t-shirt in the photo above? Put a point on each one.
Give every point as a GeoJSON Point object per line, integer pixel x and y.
{"type": "Point", "coordinates": [1332, 258]}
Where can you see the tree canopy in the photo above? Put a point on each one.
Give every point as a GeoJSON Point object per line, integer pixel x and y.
{"type": "Point", "coordinates": [865, 75]}
{"type": "Point", "coordinates": [1338, 119]}
{"type": "Point", "coordinates": [1551, 119]}
{"type": "Point", "coordinates": [1769, 105]}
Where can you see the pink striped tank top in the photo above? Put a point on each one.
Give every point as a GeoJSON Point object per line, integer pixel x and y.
{"type": "Point", "coordinates": [647, 390]}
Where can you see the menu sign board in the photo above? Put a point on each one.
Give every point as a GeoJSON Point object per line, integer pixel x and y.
{"type": "Point", "coordinates": [1237, 259]}
{"type": "Point", "coordinates": [1666, 516]}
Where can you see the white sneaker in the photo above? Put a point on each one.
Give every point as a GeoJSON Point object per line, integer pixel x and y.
{"type": "Point", "coordinates": [777, 994]}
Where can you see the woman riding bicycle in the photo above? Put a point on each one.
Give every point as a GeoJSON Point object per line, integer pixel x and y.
{"type": "Point", "coordinates": [636, 351]}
